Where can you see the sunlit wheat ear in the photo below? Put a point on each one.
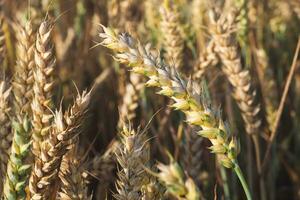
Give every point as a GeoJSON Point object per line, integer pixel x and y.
{"type": "Point", "coordinates": [66, 127]}
{"type": "Point", "coordinates": [5, 129]}
{"type": "Point", "coordinates": [132, 156]}
{"type": "Point", "coordinates": [23, 78]}
{"type": "Point", "coordinates": [187, 95]}
{"type": "Point", "coordinates": [208, 58]}
{"type": "Point", "coordinates": [72, 185]}
{"type": "Point", "coordinates": [174, 180]}
{"type": "Point", "coordinates": [131, 99]}
{"type": "Point", "coordinates": [223, 33]}
{"type": "Point", "coordinates": [43, 86]}
{"type": "Point", "coordinates": [18, 169]}
{"type": "Point", "coordinates": [170, 27]}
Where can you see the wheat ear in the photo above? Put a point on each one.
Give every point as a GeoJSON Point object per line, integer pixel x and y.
{"type": "Point", "coordinates": [62, 136]}
{"type": "Point", "coordinates": [222, 31]}
{"type": "Point", "coordinates": [192, 155]}
{"type": "Point", "coordinates": [133, 155]}
{"type": "Point", "coordinates": [23, 77]}
{"type": "Point", "coordinates": [43, 86]}
{"type": "Point", "coordinates": [72, 185]}
{"type": "Point", "coordinates": [173, 178]}
{"type": "Point", "coordinates": [187, 95]}
{"type": "Point", "coordinates": [18, 168]}
{"type": "Point", "coordinates": [208, 58]}
{"type": "Point", "coordinates": [173, 40]}
{"type": "Point", "coordinates": [130, 99]}
{"type": "Point", "coordinates": [5, 129]}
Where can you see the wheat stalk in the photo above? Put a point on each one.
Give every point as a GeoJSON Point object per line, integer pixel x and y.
{"type": "Point", "coordinates": [173, 40]}
{"type": "Point", "coordinates": [5, 129]}
{"type": "Point", "coordinates": [187, 95]}
{"type": "Point", "coordinates": [43, 86]}
{"type": "Point", "coordinates": [133, 155]}
{"type": "Point", "coordinates": [63, 133]}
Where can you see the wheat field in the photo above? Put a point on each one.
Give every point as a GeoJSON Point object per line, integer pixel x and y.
{"type": "Point", "coordinates": [149, 99]}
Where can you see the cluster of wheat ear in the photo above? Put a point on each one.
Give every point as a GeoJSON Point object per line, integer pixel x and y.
{"type": "Point", "coordinates": [183, 99]}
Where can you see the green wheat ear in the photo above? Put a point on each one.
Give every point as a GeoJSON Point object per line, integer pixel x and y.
{"type": "Point", "coordinates": [17, 169]}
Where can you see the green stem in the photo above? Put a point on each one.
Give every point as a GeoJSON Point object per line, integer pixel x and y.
{"type": "Point", "coordinates": [225, 183]}
{"type": "Point", "coordinates": [240, 175]}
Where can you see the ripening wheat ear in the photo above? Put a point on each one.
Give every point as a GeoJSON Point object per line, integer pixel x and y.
{"type": "Point", "coordinates": [5, 129]}
{"type": "Point", "coordinates": [133, 154]}
{"type": "Point", "coordinates": [43, 85]}
{"type": "Point", "coordinates": [72, 185]}
{"type": "Point", "coordinates": [65, 129]}
{"type": "Point", "coordinates": [173, 178]}
{"type": "Point", "coordinates": [131, 99]}
{"type": "Point", "coordinates": [18, 169]}
{"type": "Point", "coordinates": [222, 31]}
{"type": "Point", "coordinates": [208, 58]}
{"type": "Point", "coordinates": [187, 95]}
{"type": "Point", "coordinates": [170, 27]}
{"type": "Point", "coordinates": [192, 155]}
{"type": "Point", "coordinates": [23, 77]}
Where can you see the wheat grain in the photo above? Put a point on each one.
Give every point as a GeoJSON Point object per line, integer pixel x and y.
{"type": "Point", "coordinates": [60, 139]}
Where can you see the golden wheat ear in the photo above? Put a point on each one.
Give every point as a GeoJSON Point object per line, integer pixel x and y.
{"type": "Point", "coordinates": [66, 127]}
{"type": "Point", "coordinates": [72, 184]}
{"type": "Point", "coordinates": [173, 39]}
{"type": "Point", "coordinates": [174, 180]}
{"type": "Point", "coordinates": [43, 74]}
{"type": "Point", "coordinates": [133, 154]}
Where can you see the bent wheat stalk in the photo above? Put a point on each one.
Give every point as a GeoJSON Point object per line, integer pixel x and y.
{"type": "Point", "coordinates": [187, 95]}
